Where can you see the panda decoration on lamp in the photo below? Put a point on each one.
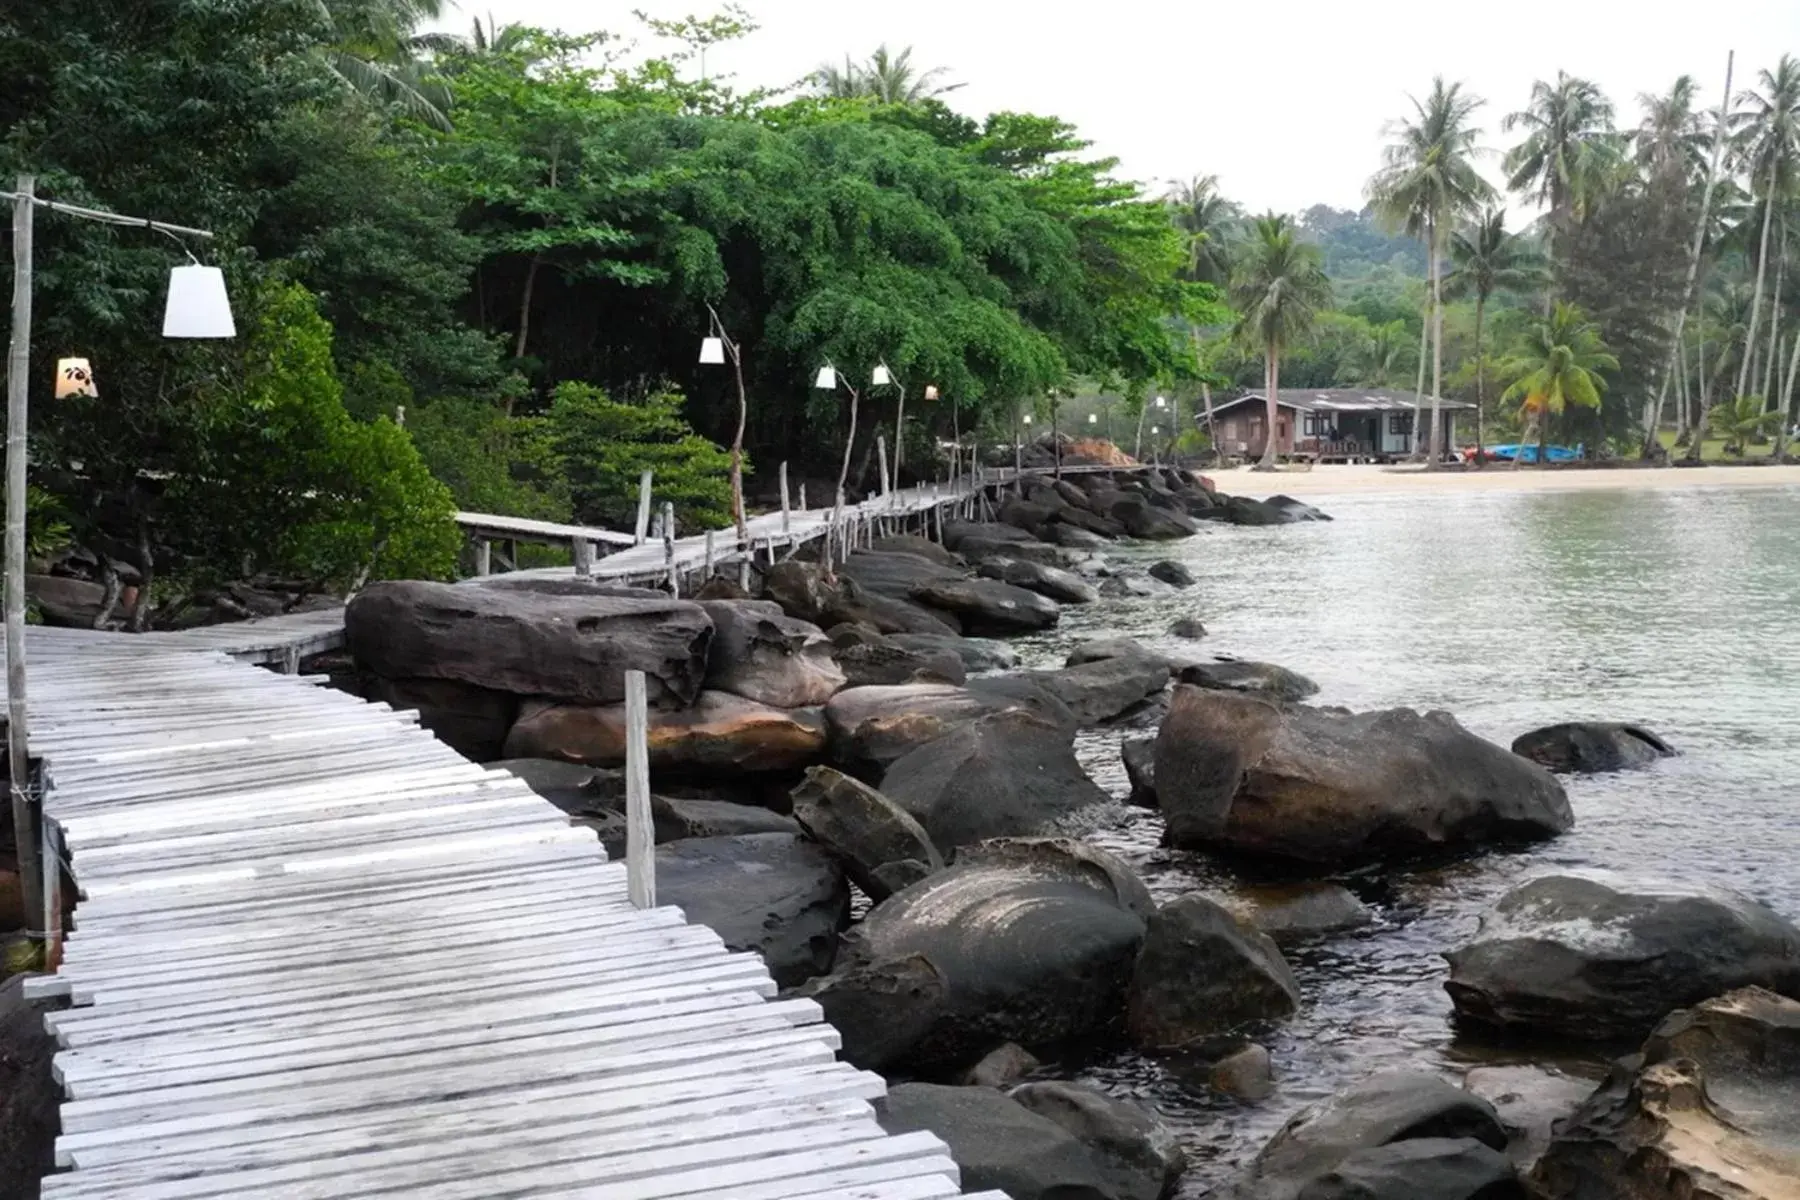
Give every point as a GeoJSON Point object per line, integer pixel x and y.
{"type": "Point", "coordinates": [74, 377]}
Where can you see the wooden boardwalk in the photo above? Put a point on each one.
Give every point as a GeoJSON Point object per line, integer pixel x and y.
{"type": "Point", "coordinates": [319, 955]}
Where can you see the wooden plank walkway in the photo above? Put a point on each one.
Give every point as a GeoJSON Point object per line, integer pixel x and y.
{"type": "Point", "coordinates": [318, 955]}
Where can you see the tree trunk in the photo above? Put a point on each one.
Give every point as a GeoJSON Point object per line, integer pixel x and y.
{"type": "Point", "coordinates": [1543, 432]}
{"type": "Point", "coordinates": [1434, 454]}
{"type": "Point", "coordinates": [1683, 410]}
{"type": "Point", "coordinates": [1787, 400]}
{"type": "Point", "coordinates": [531, 274]}
{"type": "Point", "coordinates": [1271, 381]}
{"type": "Point", "coordinates": [1212, 428]}
{"type": "Point", "coordinates": [1762, 267]}
{"type": "Point", "coordinates": [1772, 368]}
{"type": "Point", "coordinates": [899, 434]}
{"type": "Point", "coordinates": [1144, 411]}
{"type": "Point", "coordinates": [849, 442]}
{"type": "Point", "coordinates": [1480, 384]}
{"type": "Point", "coordinates": [737, 454]}
{"type": "Point", "coordinates": [1419, 391]}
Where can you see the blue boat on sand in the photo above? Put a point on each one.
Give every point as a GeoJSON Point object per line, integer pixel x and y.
{"type": "Point", "coordinates": [1529, 453]}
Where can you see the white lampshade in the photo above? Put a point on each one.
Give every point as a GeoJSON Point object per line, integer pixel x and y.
{"type": "Point", "coordinates": [1093, 418]}
{"type": "Point", "coordinates": [74, 378]}
{"type": "Point", "coordinates": [1027, 418]}
{"type": "Point", "coordinates": [1156, 429]}
{"type": "Point", "coordinates": [712, 351]}
{"type": "Point", "coordinates": [827, 379]}
{"type": "Point", "coordinates": [198, 306]}
{"type": "Point", "coordinates": [931, 392]}
{"type": "Point", "coordinates": [1161, 403]}
{"type": "Point", "coordinates": [882, 376]}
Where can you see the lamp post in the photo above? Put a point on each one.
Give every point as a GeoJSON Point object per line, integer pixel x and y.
{"type": "Point", "coordinates": [714, 349]}
{"type": "Point", "coordinates": [1162, 406]}
{"type": "Point", "coordinates": [197, 307]}
{"type": "Point", "coordinates": [1055, 433]}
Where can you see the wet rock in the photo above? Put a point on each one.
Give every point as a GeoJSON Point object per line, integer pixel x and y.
{"type": "Point", "coordinates": [1139, 1155]}
{"type": "Point", "coordinates": [987, 607]}
{"type": "Point", "coordinates": [1035, 945]}
{"type": "Point", "coordinates": [1331, 1147]}
{"type": "Point", "coordinates": [572, 648]}
{"type": "Point", "coordinates": [884, 662]}
{"type": "Point", "coordinates": [895, 575]}
{"type": "Point", "coordinates": [1241, 510]}
{"type": "Point", "coordinates": [1100, 691]}
{"type": "Point", "coordinates": [906, 543]}
{"type": "Point", "coordinates": [1201, 972]}
{"type": "Point", "coordinates": [1531, 1102]}
{"type": "Point", "coordinates": [805, 592]}
{"type": "Point", "coordinates": [1139, 757]}
{"type": "Point", "coordinates": [999, 1143]}
{"type": "Point", "coordinates": [720, 734]}
{"type": "Point", "coordinates": [1331, 786]}
{"type": "Point", "coordinates": [1590, 747]}
{"type": "Point", "coordinates": [1171, 573]}
{"type": "Point", "coordinates": [1001, 1068]}
{"type": "Point", "coordinates": [881, 1009]}
{"type": "Point", "coordinates": [1301, 910]}
{"type": "Point", "coordinates": [1113, 648]}
{"type": "Point", "coordinates": [720, 588]}
{"type": "Point", "coordinates": [1007, 774]}
{"type": "Point", "coordinates": [1598, 956]}
{"type": "Point", "coordinates": [1252, 678]}
{"type": "Point", "coordinates": [472, 721]}
{"type": "Point", "coordinates": [1187, 627]}
{"type": "Point", "coordinates": [871, 727]}
{"type": "Point", "coordinates": [1073, 537]}
{"type": "Point", "coordinates": [1024, 514]}
{"type": "Point", "coordinates": [762, 654]}
{"type": "Point", "coordinates": [977, 654]}
{"type": "Point", "coordinates": [773, 893]}
{"type": "Point", "coordinates": [983, 550]}
{"type": "Point", "coordinates": [863, 828]}
{"type": "Point", "coordinates": [678, 817]}
{"type": "Point", "coordinates": [1295, 510]}
{"type": "Point", "coordinates": [1247, 1074]}
{"type": "Point", "coordinates": [898, 876]}
{"type": "Point", "coordinates": [1148, 522]}
{"type": "Point", "coordinates": [1710, 1110]}
{"type": "Point", "coordinates": [1133, 585]}
{"type": "Point", "coordinates": [957, 532]}
{"type": "Point", "coordinates": [1051, 582]}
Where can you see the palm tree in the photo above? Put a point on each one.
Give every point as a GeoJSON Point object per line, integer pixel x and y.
{"type": "Point", "coordinates": [375, 50]}
{"type": "Point", "coordinates": [886, 78]}
{"type": "Point", "coordinates": [1559, 364]}
{"type": "Point", "coordinates": [1740, 421]}
{"type": "Point", "coordinates": [1487, 260]}
{"type": "Point", "coordinates": [1671, 141]}
{"type": "Point", "coordinates": [1278, 288]}
{"type": "Point", "coordinates": [1427, 180]}
{"type": "Point", "coordinates": [1205, 218]}
{"type": "Point", "coordinates": [1769, 146]}
{"type": "Point", "coordinates": [1570, 153]}
{"type": "Point", "coordinates": [1384, 357]}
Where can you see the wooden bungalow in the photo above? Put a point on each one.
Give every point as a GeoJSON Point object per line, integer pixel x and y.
{"type": "Point", "coordinates": [1332, 424]}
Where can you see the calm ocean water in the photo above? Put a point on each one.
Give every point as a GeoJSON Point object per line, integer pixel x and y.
{"type": "Point", "coordinates": [1677, 610]}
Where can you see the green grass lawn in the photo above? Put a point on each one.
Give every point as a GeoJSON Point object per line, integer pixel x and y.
{"type": "Point", "coordinates": [1713, 449]}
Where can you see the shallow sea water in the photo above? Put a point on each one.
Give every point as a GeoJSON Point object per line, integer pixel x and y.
{"type": "Point", "coordinates": [1676, 610]}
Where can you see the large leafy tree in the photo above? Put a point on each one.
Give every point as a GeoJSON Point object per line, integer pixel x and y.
{"type": "Point", "coordinates": [1561, 364]}
{"type": "Point", "coordinates": [1427, 182]}
{"type": "Point", "coordinates": [1487, 261]}
{"type": "Point", "coordinates": [1278, 290]}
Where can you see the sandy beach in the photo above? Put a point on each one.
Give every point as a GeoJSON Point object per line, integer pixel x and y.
{"type": "Point", "coordinates": [1376, 480]}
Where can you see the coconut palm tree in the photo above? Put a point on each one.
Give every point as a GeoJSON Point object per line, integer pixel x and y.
{"type": "Point", "coordinates": [375, 49]}
{"type": "Point", "coordinates": [885, 77]}
{"type": "Point", "coordinates": [1485, 261]}
{"type": "Point", "coordinates": [1671, 141]}
{"type": "Point", "coordinates": [1571, 152]}
{"type": "Point", "coordinates": [1205, 218]}
{"type": "Point", "coordinates": [1427, 181]}
{"type": "Point", "coordinates": [1385, 357]}
{"type": "Point", "coordinates": [1740, 421]}
{"type": "Point", "coordinates": [1278, 288]}
{"type": "Point", "coordinates": [1769, 149]}
{"type": "Point", "coordinates": [1559, 365]}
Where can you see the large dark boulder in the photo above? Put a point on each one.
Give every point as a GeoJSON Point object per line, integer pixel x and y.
{"type": "Point", "coordinates": [1709, 1110]}
{"type": "Point", "coordinates": [1065, 587]}
{"type": "Point", "coordinates": [1008, 774]}
{"type": "Point", "coordinates": [1295, 911]}
{"type": "Point", "coordinates": [676, 817]}
{"type": "Point", "coordinates": [1332, 786]}
{"type": "Point", "coordinates": [806, 592]}
{"type": "Point", "coordinates": [871, 727]}
{"type": "Point", "coordinates": [923, 547]}
{"type": "Point", "coordinates": [958, 532]}
{"type": "Point", "coordinates": [1102, 690]}
{"type": "Point", "coordinates": [1295, 510]}
{"type": "Point", "coordinates": [863, 828]}
{"type": "Point", "coordinates": [977, 654]}
{"type": "Point", "coordinates": [896, 575]}
{"type": "Point", "coordinates": [883, 1009]}
{"type": "Point", "coordinates": [573, 648]}
{"type": "Point", "coordinates": [1249, 678]}
{"type": "Point", "coordinates": [1077, 537]}
{"type": "Point", "coordinates": [1102, 527]}
{"type": "Point", "coordinates": [1150, 522]}
{"type": "Point", "coordinates": [473, 721]}
{"type": "Point", "coordinates": [1171, 573]}
{"type": "Point", "coordinates": [1029, 516]}
{"type": "Point", "coordinates": [1139, 756]}
{"type": "Point", "coordinates": [881, 661]}
{"type": "Point", "coordinates": [1201, 972]}
{"type": "Point", "coordinates": [762, 654]}
{"type": "Point", "coordinates": [1140, 1156]}
{"type": "Point", "coordinates": [1241, 510]}
{"type": "Point", "coordinates": [986, 606]}
{"type": "Point", "coordinates": [1602, 956]}
{"type": "Point", "coordinates": [65, 601]}
{"type": "Point", "coordinates": [998, 1142]}
{"type": "Point", "coordinates": [1328, 1146]}
{"type": "Point", "coordinates": [1035, 942]}
{"type": "Point", "coordinates": [1590, 747]}
{"type": "Point", "coordinates": [720, 734]}
{"type": "Point", "coordinates": [773, 893]}
{"type": "Point", "coordinates": [979, 550]}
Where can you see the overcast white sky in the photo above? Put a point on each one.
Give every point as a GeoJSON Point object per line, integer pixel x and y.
{"type": "Point", "coordinates": [1285, 102]}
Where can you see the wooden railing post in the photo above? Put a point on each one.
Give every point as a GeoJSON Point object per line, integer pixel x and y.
{"type": "Point", "coordinates": [668, 536]}
{"type": "Point", "coordinates": [643, 517]}
{"type": "Point", "coordinates": [484, 556]}
{"type": "Point", "coordinates": [881, 457]}
{"type": "Point", "coordinates": [786, 523]}
{"type": "Point", "coordinates": [640, 830]}
{"type": "Point", "coordinates": [709, 554]}
{"type": "Point", "coordinates": [584, 557]}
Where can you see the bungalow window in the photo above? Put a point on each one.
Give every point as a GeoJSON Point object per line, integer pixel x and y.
{"type": "Point", "coordinates": [1399, 424]}
{"type": "Point", "coordinates": [1315, 425]}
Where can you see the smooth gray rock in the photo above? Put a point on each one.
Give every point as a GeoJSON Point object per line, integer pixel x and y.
{"type": "Point", "coordinates": [762, 654]}
{"type": "Point", "coordinates": [1253, 678]}
{"type": "Point", "coordinates": [863, 828]}
{"type": "Point", "coordinates": [871, 727]}
{"type": "Point", "coordinates": [1001, 1068]}
{"type": "Point", "coordinates": [678, 817]}
{"type": "Point", "coordinates": [999, 1143]}
{"type": "Point", "coordinates": [1330, 786]}
{"type": "Point", "coordinates": [66, 602]}
{"type": "Point", "coordinates": [1420, 1169]}
{"type": "Point", "coordinates": [906, 543]}
{"type": "Point", "coordinates": [1133, 585]}
{"type": "Point", "coordinates": [988, 607]}
{"type": "Point", "coordinates": [720, 735]}
{"type": "Point", "coordinates": [977, 654]}
{"type": "Point", "coordinates": [1187, 627]}
{"type": "Point", "coordinates": [1065, 587]}
{"type": "Point", "coordinates": [958, 532]}
{"type": "Point", "coordinates": [1100, 691]}
{"type": "Point", "coordinates": [1246, 1074]}
{"type": "Point", "coordinates": [1591, 747]}
{"type": "Point", "coordinates": [1140, 1156]}
{"type": "Point", "coordinates": [572, 787]}
{"type": "Point", "coordinates": [881, 1009]}
{"type": "Point", "coordinates": [1149, 522]}
{"type": "Point", "coordinates": [1139, 757]}
{"type": "Point", "coordinates": [1301, 910]}
{"type": "Point", "coordinates": [1075, 537]}
{"type": "Point", "coordinates": [1171, 573]}
{"type": "Point", "coordinates": [896, 575]}
{"type": "Point", "coordinates": [1600, 956]}
{"type": "Point", "coordinates": [806, 593]}
{"type": "Point", "coordinates": [572, 648]}
{"type": "Point", "coordinates": [1202, 972]}
{"type": "Point", "coordinates": [886, 663]}
{"type": "Point", "coordinates": [773, 893]}
{"type": "Point", "coordinates": [1531, 1103]}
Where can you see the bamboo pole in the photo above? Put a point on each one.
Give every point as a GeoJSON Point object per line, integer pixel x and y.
{"type": "Point", "coordinates": [18, 380]}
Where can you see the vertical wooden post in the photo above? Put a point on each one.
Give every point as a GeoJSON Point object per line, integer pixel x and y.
{"type": "Point", "coordinates": [484, 556]}
{"type": "Point", "coordinates": [744, 568]}
{"type": "Point", "coordinates": [881, 457]}
{"type": "Point", "coordinates": [640, 830]}
{"type": "Point", "coordinates": [786, 522]}
{"type": "Point", "coordinates": [53, 916]}
{"type": "Point", "coordinates": [584, 556]}
{"type": "Point", "coordinates": [803, 497]}
{"type": "Point", "coordinates": [18, 381]}
{"type": "Point", "coordinates": [290, 660]}
{"type": "Point", "coordinates": [709, 554]}
{"type": "Point", "coordinates": [668, 534]}
{"type": "Point", "coordinates": [643, 517]}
